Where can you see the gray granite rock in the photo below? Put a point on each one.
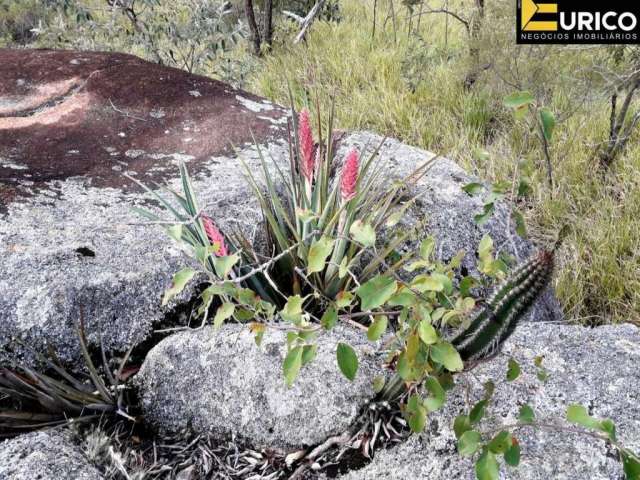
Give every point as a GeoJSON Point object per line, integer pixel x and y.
{"type": "Point", "coordinates": [72, 124]}
{"type": "Point", "coordinates": [220, 382]}
{"type": "Point", "coordinates": [45, 455]}
{"type": "Point", "coordinates": [597, 368]}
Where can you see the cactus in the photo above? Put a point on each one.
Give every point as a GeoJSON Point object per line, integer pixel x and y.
{"type": "Point", "coordinates": [499, 317]}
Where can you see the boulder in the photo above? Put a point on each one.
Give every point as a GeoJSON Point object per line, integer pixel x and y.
{"type": "Point", "coordinates": [45, 455]}
{"type": "Point", "coordinates": [220, 382]}
{"type": "Point", "coordinates": [597, 368]}
{"type": "Point", "coordinates": [73, 123]}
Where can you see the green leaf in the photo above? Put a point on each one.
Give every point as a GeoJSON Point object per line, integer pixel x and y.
{"type": "Point", "coordinates": [416, 414]}
{"type": "Point", "coordinates": [521, 226]}
{"type": "Point", "coordinates": [292, 311]}
{"type": "Point", "coordinates": [609, 428]}
{"type": "Point", "coordinates": [175, 232]}
{"type": "Point", "coordinates": [427, 283]}
{"type": "Point", "coordinates": [631, 465]}
{"type": "Point", "coordinates": [468, 443]}
{"type": "Point", "coordinates": [447, 285]}
{"type": "Point", "coordinates": [309, 353]}
{"type": "Point", "coordinates": [484, 217]}
{"type": "Point", "coordinates": [180, 280]}
{"type": "Point", "coordinates": [378, 383]}
{"type": "Point", "coordinates": [500, 443]}
{"type": "Point", "coordinates": [363, 233]}
{"type": "Point", "coordinates": [224, 312]}
{"type": "Point", "coordinates": [512, 455]}
{"type": "Point", "coordinates": [329, 318]}
{"type": "Point", "coordinates": [548, 121]}
{"type": "Point", "coordinates": [466, 284]}
{"type": "Point", "coordinates": [485, 247]}
{"type": "Point", "coordinates": [487, 467]}
{"type": "Point", "coordinates": [521, 112]}
{"type": "Point", "coordinates": [426, 247]}
{"type": "Point", "coordinates": [427, 333]}
{"type": "Point", "coordinates": [347, 361]}
{"type": "Point", "coordinates": [524, 189]}
{"type": "Point", "coordinates": [473, 188]}
{"type": "Point", "coordinates": [578, 414]}
{"type": "Point", "coordinates": [518, 99]}
{"type": "Point", "coordinates": [292, 364]}
{"type": "Point", "coordinates": [318, 253]}
{"type": "Point", "coordinates": [343, 268]}
{"type": "Point", "coordinates": [445, 354]}
{"type": "Point", "coordinates": [489, 387]}
{"type": "Point", "coordinates": [376, 292]}
{"type": "Point", "coordinates": [344, 299]}
{"type": "Point", "coordinates": [223, 265]}
{"type": "Point", "coordinates": [513, 370]}
{"type": "Point", "coordinates": [477, 412]}
{"type": "Point", "coordinates": [526, 414]}
{"type": "Point", "coordinates": [461, 424]}
{"type": "Point", "coordinates": [437, 398]}
{"type": "Point", "coordinates": [377, 328]}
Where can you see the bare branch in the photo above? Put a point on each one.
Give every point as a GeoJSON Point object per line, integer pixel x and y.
{"type": "Point", "coordinates": [308, 20]}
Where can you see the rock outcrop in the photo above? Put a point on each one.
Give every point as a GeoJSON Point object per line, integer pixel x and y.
{"type": "Point", "coordinates": [220, 382]}
{"type": "Point", "coordinates": [597, 368]}
{"type": "Point", "coordinates": [46, 455]}
{"type": "Point", "coordinates": [69, 245]}
{"type": "Point", "coordinates": [71, 125]}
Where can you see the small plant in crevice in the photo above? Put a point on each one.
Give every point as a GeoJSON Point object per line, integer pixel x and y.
{"type": "Point", "coordinates": [35, 398]}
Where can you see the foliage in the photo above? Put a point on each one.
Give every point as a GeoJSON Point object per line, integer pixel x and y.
{"type": "Point", "coordinates": [488, 446]}
{"type": "Point", "coordinates": [191, 34]}
{"type": "Point", "coordinates": [39, 399]}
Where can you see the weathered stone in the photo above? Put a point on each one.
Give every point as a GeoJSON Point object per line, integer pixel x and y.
{"type": "Point", "coordinates": [220, 382]}
{"type": "Point", "coordinates": [597, 368]}
{"type": "Point", "coordinates": [66, 241]}
{"type": "Point", "coordinates": [45, 455]}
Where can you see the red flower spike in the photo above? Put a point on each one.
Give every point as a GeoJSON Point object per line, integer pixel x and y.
{"type": "Point", "coordinates": [215, 237]}
{"type": "Point", "coordinates": [350, 175]}
{"type": "Point", "coordinates": [307, 145]}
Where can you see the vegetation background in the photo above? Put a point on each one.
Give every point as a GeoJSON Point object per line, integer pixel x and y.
{"type": "Point", "coordinates": [434, 74]}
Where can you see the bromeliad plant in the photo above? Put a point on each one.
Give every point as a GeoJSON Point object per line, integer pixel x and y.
{"type": "Point", "coordinates": [318, 232]}
{"type": "Point", "coordinates": [323, 225]}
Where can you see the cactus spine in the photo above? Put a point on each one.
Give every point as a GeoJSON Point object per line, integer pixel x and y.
{"type": "Point", "coordinates": [498, 319]}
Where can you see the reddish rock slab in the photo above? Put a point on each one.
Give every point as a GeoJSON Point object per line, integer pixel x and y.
{"type": "Point", "coordinates": [66, 113]}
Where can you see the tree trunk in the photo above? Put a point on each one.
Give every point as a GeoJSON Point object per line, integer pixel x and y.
{"type": "Point", "coordinates": [253, 26]}
{"type": "Point", "coordinates": [267, 23]}
{"type": "Point", "coordinates": [475, 32]}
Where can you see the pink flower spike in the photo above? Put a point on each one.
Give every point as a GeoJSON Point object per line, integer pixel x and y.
{"type": "Point", "coordinates": [350, 175]}
{"type": "Point", "coordinates": [307, 146]}
{"type": "Point", "coordinates": [215, 237]}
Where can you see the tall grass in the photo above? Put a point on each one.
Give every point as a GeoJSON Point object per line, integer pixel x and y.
{"type": "Point", "coordinates": [410, 86]}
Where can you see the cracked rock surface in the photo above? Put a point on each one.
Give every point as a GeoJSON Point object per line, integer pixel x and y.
{"type": "Point", "coordinates": [220, 382]}
{"type": "Point", "coordinates": [597, 368]}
